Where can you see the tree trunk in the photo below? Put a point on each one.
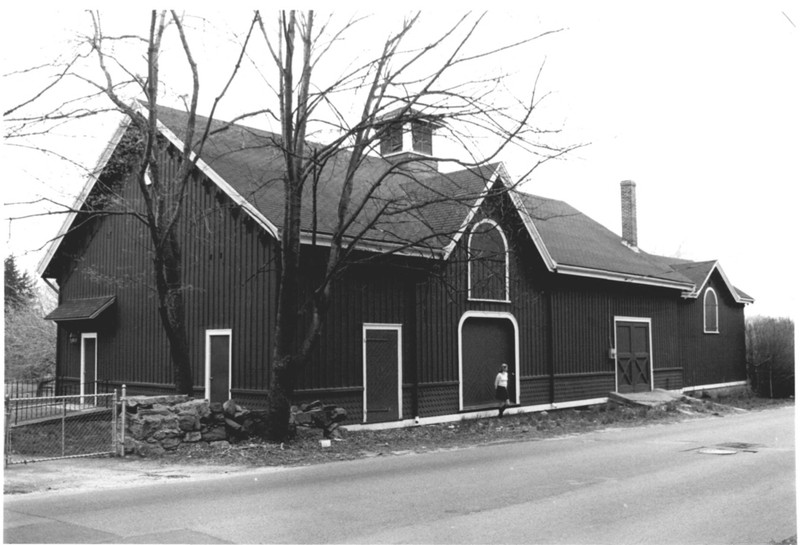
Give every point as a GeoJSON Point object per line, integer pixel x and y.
{"type": "Point", "coordinates": [286, 353]}
{"type": "Point", "coordinates": [169, 270]}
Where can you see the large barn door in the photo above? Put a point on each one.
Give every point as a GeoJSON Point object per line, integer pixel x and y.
{"type": "Point", "coordinates": [218, 365]}
{"type": "Point", "coordinates": [383, 396]}
{"type": "Point", "coordinates": [634, 366]}
{"type": "Point", "coordinates": [486, 343]}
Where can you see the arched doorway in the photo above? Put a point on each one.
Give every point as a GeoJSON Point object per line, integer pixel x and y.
{"type": "Point", "coordinates": [486, 340]}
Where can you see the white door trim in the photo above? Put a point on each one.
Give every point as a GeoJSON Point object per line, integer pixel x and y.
{"type": "Point", "coordinates": [649, 322]}
{"type": "Point", "coordinates": [217, 333]}
{"type": "Point", "coordinates": [494, 315]}
{"type": "Point", "coordinates": [85, 336]}
{"type": "Point", "coordinates": [382, 327]}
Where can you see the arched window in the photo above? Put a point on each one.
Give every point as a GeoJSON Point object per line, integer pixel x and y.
{"type": "Point", "coordinates": [487, 263]}
{"type": "Point", "coordinates": [710, 312]}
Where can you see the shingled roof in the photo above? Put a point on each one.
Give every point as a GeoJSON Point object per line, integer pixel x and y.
{"type": "Point", "coordinates": [429, 211]}
{"type": "Point", "coordinates": [577, 242]}
{"type": "Point", "coordinates": [424, 213]}
{"type": "Point", "coordinates": [403, 210]}
{"type": "Point", "coordinates": [81, 309]}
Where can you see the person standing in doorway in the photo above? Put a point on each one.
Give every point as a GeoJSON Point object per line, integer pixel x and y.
{"type": "Point", "coordinates": [501, 388]}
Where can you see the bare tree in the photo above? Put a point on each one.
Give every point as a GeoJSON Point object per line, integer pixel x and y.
{"type": "Point", "coordinates": [438, 83]}
{"type": "Point", "coordinates": [139, 153]}
{"type": "Point", "coordinates": [401, 84]}
{"type": "Point", "coordinates": [770, 355]}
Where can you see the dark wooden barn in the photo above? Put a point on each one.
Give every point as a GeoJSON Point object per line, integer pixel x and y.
{"type": "Point", "coordinates": [489, 275]}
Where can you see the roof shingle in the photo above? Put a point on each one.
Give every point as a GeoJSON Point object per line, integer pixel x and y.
{"type": "Point", "coordinates": [81, 309]}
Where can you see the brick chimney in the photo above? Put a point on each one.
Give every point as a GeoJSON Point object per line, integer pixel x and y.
{"type": "Point", "coordinates": [628, 202]}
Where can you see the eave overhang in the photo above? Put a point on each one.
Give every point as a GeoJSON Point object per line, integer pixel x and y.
{"type": "Point", "coordinates": [614, 276]}
{"type": "Point", "coordinates": [74, 310]}
{"type": "Point", "coordinates": [226, 188]}
{"type": "Point", "coordinates": [91, 180]}
{"type": "Point", "coordinates": [697, 290]}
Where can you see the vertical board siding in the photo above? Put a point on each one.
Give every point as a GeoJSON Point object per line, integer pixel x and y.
{"type": "Point", "coordinates": [366, 294]}
{"type": "Point", "coordinates": [670, 379]}
{"type": "Point", "coordinates": [713, 358]}
{"type": "Point", "coordinates": [225, 263]}
{"type": "Point", "coordinates": [583, 331]}
{"type": "Point", "coordinates": [565, 324]}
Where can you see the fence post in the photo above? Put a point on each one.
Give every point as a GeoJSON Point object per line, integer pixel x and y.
{"type": "Point", "coordinates": [8, 421]}
{"type": "Point", "coordinates": [124, 416]}
{"type": "Point", "coordinates": [64, 428]}
{"type": "Point", "coordinates": [114, 445]}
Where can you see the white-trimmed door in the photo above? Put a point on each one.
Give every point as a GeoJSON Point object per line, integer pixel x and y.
{"type": "Point", "coordinates": [383, 372]}
{"type": "Point", "coordinates": [88, 365]}
{"type": "Point", "coordinates": [218, 364]}
{"type": "Point", "coordinates": [634, 361]}
{"type": "Point", "coordinates": [485, 341]}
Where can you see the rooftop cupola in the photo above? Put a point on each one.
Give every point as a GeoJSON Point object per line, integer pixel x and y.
{"type": "Point", "coordinates": [407, 137]}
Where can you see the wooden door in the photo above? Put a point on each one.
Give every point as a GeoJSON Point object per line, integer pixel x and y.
{"type": "Point", "coordinates": [88, 366]}
{"type": "Point", "coordinates": [633, 357]}
{"type": "Point", "coordinates": [218, 364]}
{"type": "Point", "coordinates": [382, 373]}
{"type": "Point", "coordinates": [486, 343]}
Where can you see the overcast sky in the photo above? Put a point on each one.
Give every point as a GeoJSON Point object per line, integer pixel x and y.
{"type": "Point", "coordinates": [696, 102]}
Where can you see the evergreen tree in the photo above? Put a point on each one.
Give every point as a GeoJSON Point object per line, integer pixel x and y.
{"type": "Point", "coordinates": [19, 287]}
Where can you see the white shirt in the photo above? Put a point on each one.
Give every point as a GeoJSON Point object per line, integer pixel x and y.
{"type": "Point", "coordinates": [501, 379]}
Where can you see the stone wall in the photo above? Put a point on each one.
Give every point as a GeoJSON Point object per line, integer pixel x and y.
{"type": "Point", "coordinates": [155, 424]}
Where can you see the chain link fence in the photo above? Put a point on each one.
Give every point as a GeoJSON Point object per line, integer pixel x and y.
{"type": "Point", "coordinates": [47, 428]}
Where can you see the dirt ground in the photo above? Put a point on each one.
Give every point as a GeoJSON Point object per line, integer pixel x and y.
{"type": "Point", "coordinates": [74, 474]}
{"type": "Point", "coordinates": [222, 459]}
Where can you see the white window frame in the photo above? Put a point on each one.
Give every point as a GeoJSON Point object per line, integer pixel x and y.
{"type": "Point", "coordinates": [382, 327]}
{"type": "Point", "coordinates": [207, 382]}
{"type": "Point", "coordinates": [506, 298]}
{"type": "Point", "coordinates": [711, 291]}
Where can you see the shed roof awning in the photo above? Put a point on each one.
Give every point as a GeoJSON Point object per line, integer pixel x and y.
{"type": "Point", "coordinates": [81, 309]}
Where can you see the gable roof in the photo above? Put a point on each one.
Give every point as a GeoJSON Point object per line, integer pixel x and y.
{"type": "Point", "coordinates": [88, 186]}
{"type": "Point", "coordinates": [580, 246]}
{"type": "Point", "coordinates": [400, 211]}
{"type": "Point", "coordinates": [700, 273]}
{"type": "Point", "coordinates": [424, 213]}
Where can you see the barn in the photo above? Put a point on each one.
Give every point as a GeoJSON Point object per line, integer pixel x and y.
{"type": "Point", "coordinates": [436, 298]}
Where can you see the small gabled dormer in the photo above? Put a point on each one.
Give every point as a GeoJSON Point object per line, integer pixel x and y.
{"type": "Point", "coordinates": [407, 138]}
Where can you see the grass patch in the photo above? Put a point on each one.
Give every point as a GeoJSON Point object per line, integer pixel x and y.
{"type": "Point", "coordinates": [76, 435]}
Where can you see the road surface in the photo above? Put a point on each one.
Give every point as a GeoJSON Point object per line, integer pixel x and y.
{"type": "Point", "coordinates": [715, 480]}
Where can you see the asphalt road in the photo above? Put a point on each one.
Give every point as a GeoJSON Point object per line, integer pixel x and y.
{"type": "Point", "coordinates": [657, 484]}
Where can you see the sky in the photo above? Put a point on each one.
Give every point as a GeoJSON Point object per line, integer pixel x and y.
{"type": "Point", "coordinates": [696, 102]}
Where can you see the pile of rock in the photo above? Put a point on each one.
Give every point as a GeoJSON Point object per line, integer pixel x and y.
{"type": "Point", "coordinates": [155, 424]}
{"type": "Point", "coordinates": [317, 415]}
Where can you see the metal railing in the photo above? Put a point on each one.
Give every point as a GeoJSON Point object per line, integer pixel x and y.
{"type": "Point", "coordinates": [30, 388]}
